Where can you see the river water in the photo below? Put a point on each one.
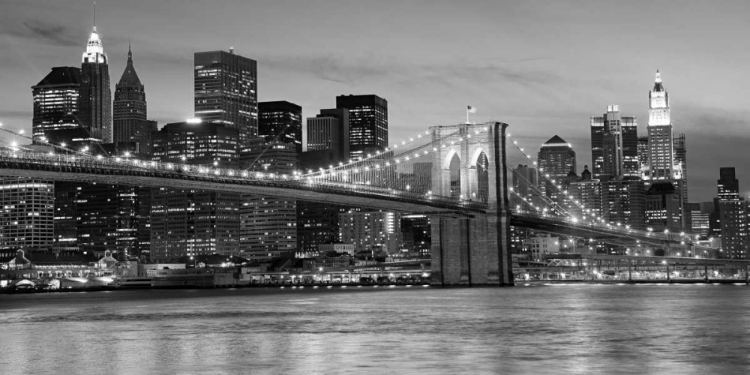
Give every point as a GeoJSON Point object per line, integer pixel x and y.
{"type": "Point", "coordinates": [680, 329]}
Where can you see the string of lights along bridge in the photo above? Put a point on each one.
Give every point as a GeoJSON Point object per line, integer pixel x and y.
{"type": "Point", "coordinates": [405, 171]}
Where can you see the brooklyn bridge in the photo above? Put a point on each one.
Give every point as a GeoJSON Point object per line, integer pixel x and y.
{"type": "Point", "coordinates": [457, 174]}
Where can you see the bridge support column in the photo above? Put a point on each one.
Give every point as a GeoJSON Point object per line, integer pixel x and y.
{"type": "Point", "coordinates": [460, 252]}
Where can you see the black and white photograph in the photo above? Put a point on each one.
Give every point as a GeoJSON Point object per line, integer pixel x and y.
{"type": "Point", "coordinates": [374, 187]}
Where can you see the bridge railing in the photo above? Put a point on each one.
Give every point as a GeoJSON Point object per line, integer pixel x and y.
{"type": "Point", "coordinates": [102, 165]}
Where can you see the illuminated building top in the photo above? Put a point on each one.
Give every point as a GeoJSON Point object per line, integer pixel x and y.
{"type": "Point", "coordinates": [658, 106]}
{"type": "Point", "coordinates": [94, 50]}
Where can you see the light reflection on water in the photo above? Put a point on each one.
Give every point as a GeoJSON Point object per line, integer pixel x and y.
{"type": "Point", "coordinates": [537, 329]}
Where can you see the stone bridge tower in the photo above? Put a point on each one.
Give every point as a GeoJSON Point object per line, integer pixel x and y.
{"type": "Point", "coordinates": [470, 165]}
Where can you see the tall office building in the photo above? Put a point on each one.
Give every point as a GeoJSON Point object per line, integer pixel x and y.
{"type": "Point", "coordinates": [557, 158]}
{"type": "Point", "coordinates": [56, 103]}
{"type": "Point", "coordinates": [268, 226]}
{"type": "Point", "coordinates": [226, 91]}
{"type": "Point", "coordinates": [368, 123]}
{"type": "Point", "coordinates": [26, 214]}
{"type": "Point", "coordinates": [187, 222]}
{"type": "Point", "coordinates": [280, 121]}
{"type": "Point", "coordinates": [95, 95]}
{"type": "Point", "coordinates": [661, 148]}
{"type": "Point", "coordinates": [614, 145]}
{"type": "Point", "coordinates": [129, 115]}
{"type": "Point", "coordinates": [680, 158]}
{"type": "Point", "coordinates": [732, 215]}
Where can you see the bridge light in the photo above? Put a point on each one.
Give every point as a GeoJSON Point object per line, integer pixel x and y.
{"type": "Point", "coordinates": [99, 157]}
{"type": "Point", "coordinates": [62, 145]}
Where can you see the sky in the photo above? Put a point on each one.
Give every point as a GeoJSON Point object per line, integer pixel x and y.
{"type": "Point", "coordinates": [543, 67]}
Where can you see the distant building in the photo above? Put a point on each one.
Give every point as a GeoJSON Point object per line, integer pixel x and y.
{"type": "Point", "coordinates": [282, 121]}
{"type": "Point", "coordinates": [95, 108]}
{"type": "Point", "coordinates": [327, 139]}
{"type": "Point", "coordinates": [732, 215]}
{"type": "Point", "coordinates": [701, 217]}
{"type": "Point", "coordinates": [416, 234]}
{"type": "Point", "coordinates": [614, 145]}
{"type": "Point", "coordinates": [189, 222]}
{"type": "Point", "coordinates": [327, 145]}
{"type": "Point", "coordinates": [525, 187]}
{"type": "Point", "coordinates": [268, 226]}
{"type": "Point", "coordinates": [26, 214]}
{"type": "Point", "coordinates": [376, 231]}
{"type": "Point", "coordinates": [129, 115]}
{"type": "Point", "coordinates": [623, 202]}
{"type": "Point", "coordinates": [226, 92]}
{"type": "Point", "coordinates": [556, 159]}
{"type": "Point", "coordinates": [542, 245]}
{"type": "Point", "coordinates": [368, 122]}
{"type": "Point", "coordinates": [588, 192]}
{"type": "Point", "coordinates": [56, 103]}
{"type": "Point", "coordinates": [663, 207]}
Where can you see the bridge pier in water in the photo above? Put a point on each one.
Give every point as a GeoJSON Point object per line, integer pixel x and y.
{"type": "Point", "coordinates": [473, 250]}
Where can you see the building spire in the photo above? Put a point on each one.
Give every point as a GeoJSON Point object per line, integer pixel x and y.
{"type": "Point", "coordinates": [130, 54]}
{"type": "Point", "coordinates": [658, 76]}
{"type": "Point", "coordinates": [94, 16]}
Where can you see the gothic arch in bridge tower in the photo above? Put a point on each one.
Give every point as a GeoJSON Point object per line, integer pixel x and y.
{"type": "Point", "coordinates": [474, 152]}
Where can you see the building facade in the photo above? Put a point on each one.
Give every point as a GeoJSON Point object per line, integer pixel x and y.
{"type": "Point", "coordinates": [282, 121]}
{"type": "Point", "coordinates": [189, 222]}
{"type": "Point", "coordinates": [226, 91]}
{"type": "Point", "coordinates": [614, 145]}
{"type": "Point", "coordinates": [95, 93]}
{"type": "Point", "coordinates": [268, 226]}
{"type": "Point", "coordinates": [376, 232]}
{"type": "Point", "coordinates": [130, 111]}
{"type": "Point", "coordinates": [26, 214]}
{"type": "Point", "coordinates": [368, 123]}
{"type": "Point", "coordinates": [732, 211]}
{"type": "Point", "coordinates": [56, 103]}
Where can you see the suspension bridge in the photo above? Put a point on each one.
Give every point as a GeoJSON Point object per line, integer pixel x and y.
{"type": "Point", "coordinates": [458, 174]}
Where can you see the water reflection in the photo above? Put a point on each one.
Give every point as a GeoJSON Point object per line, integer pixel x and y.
{"type": "Point", "coordinates": [570, 328]}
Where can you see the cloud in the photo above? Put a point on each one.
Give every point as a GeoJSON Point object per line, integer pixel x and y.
{"type": "Point", "coordinates": [44, 32]}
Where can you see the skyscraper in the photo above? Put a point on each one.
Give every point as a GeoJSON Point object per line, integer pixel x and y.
{"type": "Point", "coordinates": [661, 148]}
{"type": "Point", "coordinates": [56, 103]}
{"type": "Point", "coordinates": [368, 123]}
{"type": "Point", "coordinates": [226, 91]}
{"type": "Point", "coordinates": [614, 145]}
{"type": "Point", "coordinates": [130, 111]}
{"type": "Point", "coordinates": [557, 158]}
{"type": "Point", "coordinates": [95, 94]}
{"type": "Point", "coordinates": [282, 121]}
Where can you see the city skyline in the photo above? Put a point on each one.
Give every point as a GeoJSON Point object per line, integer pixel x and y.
{"type": "Point", "coordinates": [549, 75]}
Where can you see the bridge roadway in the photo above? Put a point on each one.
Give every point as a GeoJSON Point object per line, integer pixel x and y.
{"type": "Point", "coordinates": [123, 171]}
{"type": "Point", "coordinates": [612, 235]}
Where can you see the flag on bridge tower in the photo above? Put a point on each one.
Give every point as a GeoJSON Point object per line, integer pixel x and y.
{"type": "Point", "coordinates": [470, 109]}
